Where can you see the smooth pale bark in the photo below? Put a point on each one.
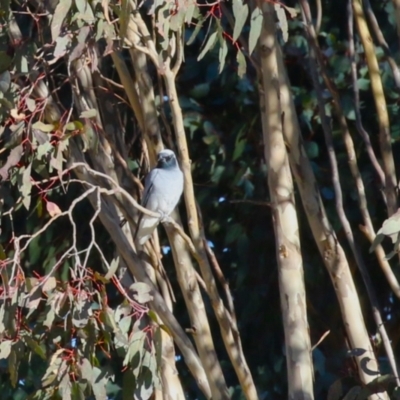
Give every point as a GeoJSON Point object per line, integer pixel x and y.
{"type": "Point", "coordinates": [330, 249]}
{"type": "Point", "coordinates": [171, 384]}
{"type": "Point", "coordinates": [200, 326]}
{"type": "Point", "coordinates": [229, 330]}
{"type": "Point", "coordinates": [290, 264]}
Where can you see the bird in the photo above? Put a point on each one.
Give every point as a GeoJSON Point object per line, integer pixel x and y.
{"type": "Point", "coordinates": [162, 190]}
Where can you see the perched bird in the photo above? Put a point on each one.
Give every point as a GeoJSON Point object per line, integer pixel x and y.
{"type": "Point", "coordinates": [162, 191]}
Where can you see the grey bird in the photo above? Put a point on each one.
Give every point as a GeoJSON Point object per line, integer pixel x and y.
{"type": "Point", "coordinates": [162, 191]}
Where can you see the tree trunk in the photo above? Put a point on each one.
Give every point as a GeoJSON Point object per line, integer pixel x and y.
{"type": "Point", "coordinates": [330, 249]}
{"type": "Point", "coordinates": [290, 264]}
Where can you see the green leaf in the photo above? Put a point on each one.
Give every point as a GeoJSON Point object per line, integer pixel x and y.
{"type": "Point", "coordinates": [5, 61]}
{"type": "Point", "coordinates": [89, 113]}
{"type": "Point", "coordinates": [177, 20]}
{"type": "Point", "coordinates": [21, 62]}
{"type": "Point", "coordinates": [77, 392]}
{"type": "Point", "coordinates": [363, 84]}
{"type": "Point", "coordinates": [81, 314]}
{"type": "Point", "coordinates": [234, 232]}
{"type": "Point", "coordinates": [209, 129]}
{"type": "Point", "coordinates": [191, 11]}
{"type": "Point", "coordinates": [124, 324]}
{"type": "Point", "coordinates": [2, 319]}
{"type": "Point", "coordinates": [142, 292]}
{"type": "Point", "coordinates": [199, 91]}
{"type": "Point", "coordinates": [50, 284]}
{"type": "Point", "coordinates": [33, 299]}
{"type": "Point", "coordinates": [223, 51]}
{"type": "Point", "coordinates": [71, 126]}
{"type": "Point", "coordinates": [335, 391]}
{"type": "Point", "coordinates": [129, 385]}
{"type": "Point", "coordinates": [5, 349]}
{"type": "Point", "coordinates": [283, 24]}
{"type": "Point", "coordinates": [31, 104]}
{"type": "Point", "coordinates": [3, 255]}
{"type": "Point", "coordinates": [210, 139]}
{"type": "Point", "coordinates": [239, 148]}
{"type": "Point", "coordinates": [256, 21]}
{"type": "Point", "coordinates": [153, 316]}
{"type": "Point", "coordinates": [60, 13]}
{"type": "Point", "coordinates": [391, 226]}
{"type": "Point", "coordinates": [43, 149]}
{"type": "Point", "coordinates": [216, 176]}
{"type": "Point", "coordinates": [240, 13]}
{"type": "Point", "coordinates": [85, 10]}
{"type": "Point", "coordinates": [26, 187]}
{"type": "Point", "coordinates": [35, 346]}
{"type": "Point", "coordinates": [158, 346]}
{"type": "Point", "coordinates": [113, 269]}
{"type": "Point", "coordinates": [353, 393]}
{"type": "Point", "coordinates": [62, 42]}
{"type": "Point", "coordinates": [65, 386]}
{"type": "Point", "coordinates": [50, 375]}
{"type": "Point", "coordinates": [107, 317]}
{"type": "Point", "coordinates": [145, 386]}
{"type": "Point", "coordinates": [212, 39]}
{"type": "Point", "coordinates": [43, 127]}
{"type": "Point", "coordinates": [56, 160]}
{"type": "Point", "coordinates": [34, 251]}
{"type": "Point", "coordinates": [241, 63]}
{"type": "Point", "coordinates": [99, 29]}
{"type": "Point", "coordinates": [99, 384]}
{"type": "Point", "coordinates": [5, 81]}
{"type": "Point", "coordinates": [195, 32]}
{"type": "Point", "coordinates": [312, 149]}
{"type": "Point", "coordinates": [166, 329]}
{"type": "Point", "coordinates": [13, 367]}
{"type": "Point", "coordinates": [378, 385]}
{"type": "Point", "coordinates": [86, 370]}
{"type": "Point", "coordinates": [136, 344]}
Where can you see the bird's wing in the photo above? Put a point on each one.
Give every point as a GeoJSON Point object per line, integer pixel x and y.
{"type": "Point", "coordinates": [147, 224]}
{"type": "Point", "coordinates": [149, 186]}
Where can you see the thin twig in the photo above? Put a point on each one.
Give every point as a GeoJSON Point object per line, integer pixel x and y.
{"type": "Point", "coordinates": [319, 16]}
{"type": "Point", "coordinates": [179, 52]}
{"type": "Point", "coordinates": [254, 202]}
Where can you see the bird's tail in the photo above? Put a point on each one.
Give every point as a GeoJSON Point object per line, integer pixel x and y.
{"type": "Point", "coordinates": [146, 228]}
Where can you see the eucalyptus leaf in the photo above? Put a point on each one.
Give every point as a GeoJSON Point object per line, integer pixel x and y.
{"type": "Point", "coordinates": [240, 13]}
{"type": "Point", "coordinates": [256, 21]}
{"type": "Point", "coordinates": [59, 16]}
{"type": "Point", "coordinates": [212, 39]}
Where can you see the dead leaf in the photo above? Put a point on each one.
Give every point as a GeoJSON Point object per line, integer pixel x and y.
{"type": "Point", "coordinates": [52, 209]}
{"type": "Point", "coordinates": [12, 161]}
{"type": "Point", "coordinates": [16, 115]}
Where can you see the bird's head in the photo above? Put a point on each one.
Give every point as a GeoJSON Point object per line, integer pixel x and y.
{"type": "Point", "coordinates": [166, 159]}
